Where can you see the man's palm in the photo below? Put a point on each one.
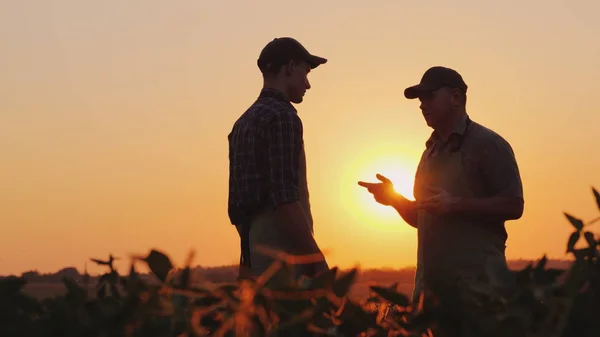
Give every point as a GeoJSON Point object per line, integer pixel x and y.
{"type": "Point", "coordinates": [383, 192]}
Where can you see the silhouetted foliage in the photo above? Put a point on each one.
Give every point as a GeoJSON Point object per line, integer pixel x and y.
{"type": "Point", "coordinates": [546, 302]}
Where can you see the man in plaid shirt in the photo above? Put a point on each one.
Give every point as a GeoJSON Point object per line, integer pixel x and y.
{"type": "Point", "coordinates": [268, 193]}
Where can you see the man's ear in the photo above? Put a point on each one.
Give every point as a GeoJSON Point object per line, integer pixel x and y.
{"type": "Point", "coordinates": [456, 97]}
{"type": "Point", "coordinates": [289, 68]}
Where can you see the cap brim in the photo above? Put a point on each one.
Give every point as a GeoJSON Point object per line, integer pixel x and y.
{"type": "Point", "coordinates": [416, 90]}
{"type": "Point", "coordinates": [315, 61]}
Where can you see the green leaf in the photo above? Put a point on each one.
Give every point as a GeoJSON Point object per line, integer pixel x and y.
{"type": "Point", "coordinates": [584, 252]}
{"type": "Point", "coordinates": [548, 276]}
{"type": "Point", "coordinates": [355, 319]}
{"type": "Point", "coordinates": [391, 295]}
{"type": "Point", "coordinates": [159, 263]}
{"type": "Point", "coordinates": [575, 277]}
{"type": "Point", "coordinates": [75, 292]}
{"type": "Point", "coordinates": [342, 285]}
{"type": "Point", "coordinates": [553, 274]}
{"type": "Point", "coordinates": [539, 272]}
{"type": "Point", "coordinates": [542, 263]}
{"type": "Point", "coordinates": [86, 276]}
{"type": "Point", "coordinates": [133, 275]}
{"type": "Point", "coordinates": [230, 290]}
{"type": "Point", "coordinates": [589, 237]}
{"type": "Point", "coordinates": [572, 241]}
{"type": "Point", "coordinates": [577, 223]}
{"type": "Point", "coordinates": [109, 278]}
{"type": "Point", "coordinates": [132, 282]}
{"type": "Point", "coordinates": [320, 320]}
{"type": "Point", "coordinates": [524, 276]}
{"type": "Point", "coordinates": [324, 280]}
{"type": "Point", "coordinates": [186, 275]}
{"type": "Point", "coordinates": [297, 321]}
{"type": "Point", "coordinates": [597, 196]}
{"type": "Point", "coordinates": [285, 307]}
{"type": "Point", "coordinates": [184, 280]}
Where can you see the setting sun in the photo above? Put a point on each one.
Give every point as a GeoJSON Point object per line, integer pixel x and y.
{"type": "Point", "coordinates": [395, 163]}
{"type": "Point", "coordinates": [395, 170]}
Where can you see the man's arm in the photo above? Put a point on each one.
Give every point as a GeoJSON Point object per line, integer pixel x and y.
{"type": "Point", "coordinates": [407, 210]}
{"type": "Point", "coordinates": [502, 181]}
{"type": "Point", "coordinates": [384, 194]}
{"type": "Point", "coordinates": [284, 132]}
{"type": "Point", "coordinates": [508, 208]}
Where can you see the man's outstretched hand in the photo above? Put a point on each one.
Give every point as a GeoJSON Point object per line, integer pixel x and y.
{"type": "Point", "coordinates": [383, 192]}
{"type": "Point", "coordinates": [440, 201]}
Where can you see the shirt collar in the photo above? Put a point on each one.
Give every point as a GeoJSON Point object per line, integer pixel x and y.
{"type": "Point", "coordinates": [459, 129]}
{"type": "Point", "coordinates": [276, 95]}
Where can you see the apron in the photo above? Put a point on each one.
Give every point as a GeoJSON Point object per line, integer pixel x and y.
{"type": "Point", "coordinates": [303, 190]}
{"type": "Point", "coordinates": [453, 246]}
{"type": "Point", "coordinates": [265, 229]}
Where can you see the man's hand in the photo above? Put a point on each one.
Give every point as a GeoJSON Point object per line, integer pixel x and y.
{"type": "Point", "coordinates": [441, 202]}
{"type": "Point", "coordinates": [383, 192]}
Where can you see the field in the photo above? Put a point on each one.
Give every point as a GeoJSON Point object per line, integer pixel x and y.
{"type": "Point", "coordinates": [548, 299]}
{"type": "Point", "coordinates": [78, 295]}
{"type": "Point", "coordinates": [359, 291]}
{"type": "Point", "coordinates": [44, 290]}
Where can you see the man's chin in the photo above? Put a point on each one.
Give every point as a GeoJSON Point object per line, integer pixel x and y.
{"type": "Point", "coordinates": [297, 100]}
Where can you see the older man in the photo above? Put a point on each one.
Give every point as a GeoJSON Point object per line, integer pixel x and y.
{"type": "Point", "coordinates": [467, 185]}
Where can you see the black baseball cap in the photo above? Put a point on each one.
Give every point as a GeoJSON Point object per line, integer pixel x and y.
{"type": "Point", "coordinates": [435, 78]}
{"type": "Point", "coordinates": [281, 50]}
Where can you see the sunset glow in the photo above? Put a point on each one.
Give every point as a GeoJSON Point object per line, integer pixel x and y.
{"type": "Point", "coordinates": [114, 118]}
{"type": "Point", "coordinates": [394, 168]}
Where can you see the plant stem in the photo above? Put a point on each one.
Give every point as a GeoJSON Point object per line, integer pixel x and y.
{"type": "Point", "coordinates": [593, 221]}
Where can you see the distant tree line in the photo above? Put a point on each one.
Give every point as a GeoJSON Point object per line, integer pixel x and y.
{"type": "Point", "coordinates": [229, 273]}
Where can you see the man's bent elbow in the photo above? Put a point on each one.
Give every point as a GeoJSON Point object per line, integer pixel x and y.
{"type": "Point", "coordinates": [515, 209]}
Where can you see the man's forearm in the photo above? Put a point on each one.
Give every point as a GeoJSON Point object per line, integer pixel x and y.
{"type": "Point", "coordinates": [407, 210]}
{"type": "Point", "coordinates": [505, 207]}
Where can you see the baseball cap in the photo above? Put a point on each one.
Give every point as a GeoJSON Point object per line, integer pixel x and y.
{"type": "Point", "coordinates": [281, 50]}
{"type": "Point", "coordinates": [435, 78]}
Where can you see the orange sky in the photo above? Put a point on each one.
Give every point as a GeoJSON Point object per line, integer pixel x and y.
{"type": "Point", "coordinates": [114, 119]}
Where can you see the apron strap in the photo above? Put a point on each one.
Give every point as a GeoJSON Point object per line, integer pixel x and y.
{"type": "Point", "coordinates": [462, 139]}
{"type": "Point", "coordinates": [244, 232]}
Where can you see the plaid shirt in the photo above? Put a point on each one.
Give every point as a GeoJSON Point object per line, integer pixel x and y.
{"type": "Point", "coordinates": [264, 152]}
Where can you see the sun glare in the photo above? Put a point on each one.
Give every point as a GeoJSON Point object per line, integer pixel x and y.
{"type": "Point", "coordinates": [400, 176]}
{"type": "Point", "coordinates": [399, 167]}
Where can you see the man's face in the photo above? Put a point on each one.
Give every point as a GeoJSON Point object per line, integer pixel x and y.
{"type": "Point", "coordinates": [437, 106]}
{"type": "Point", "coordinates": [297, 80]}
